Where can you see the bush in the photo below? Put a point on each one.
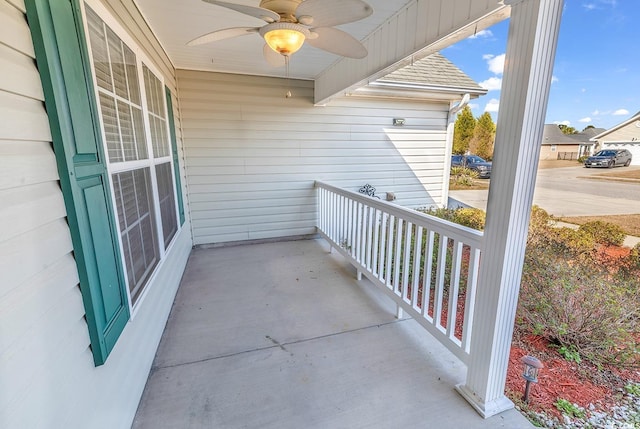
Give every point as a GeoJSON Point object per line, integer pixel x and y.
{"type": "Point", "coordinates": [462, 176]}
{"type": "Point", "coordinates": [580, 307]}
{"type": "Point", "coordinates": [471, 217]}
{"type": "Point", "coordinates": [604, 232]}
{"type": "Point", "coordinates": [539, 225]}
{"type": "Point", "coordinates": [583, 158]}
{"type": "Point", "coordinates": [634, 256]}
{"type": "Point", "coordinates": [573, 242]}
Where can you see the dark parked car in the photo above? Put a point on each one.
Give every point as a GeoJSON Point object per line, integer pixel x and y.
{"type": "Point", "coordinates": [472, 162]}
{"type": "Point", "coordinates": [609, 158]}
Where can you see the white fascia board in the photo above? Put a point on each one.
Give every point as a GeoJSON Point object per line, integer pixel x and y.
{"type": "Point", "coordinates": [431, 25]}
{"type": "Point", "coordinates": [415, 92]}
{"type": "Point", "coordinates": [615, 128]}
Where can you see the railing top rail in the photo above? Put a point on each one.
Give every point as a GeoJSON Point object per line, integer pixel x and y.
{"type": "Point", "coordinates": [465, 234]}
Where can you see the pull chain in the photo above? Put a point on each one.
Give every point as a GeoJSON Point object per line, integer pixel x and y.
{"type": "Point", "coordinates": [288, 93]}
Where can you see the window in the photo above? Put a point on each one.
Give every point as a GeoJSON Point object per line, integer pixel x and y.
{"type": "Point", "coordinates": [133, 112]}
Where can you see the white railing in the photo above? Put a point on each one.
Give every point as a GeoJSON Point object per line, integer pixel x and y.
{"type": "Point", "coordinates": [427, 265]}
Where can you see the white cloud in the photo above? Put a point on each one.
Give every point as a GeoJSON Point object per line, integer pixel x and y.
{"type": "Point", "coordinates": [473, 106]}
{"type": "Point", "coordinates": [596, 112]}
{"type": "Point", "coordinates": [583, 90]}
{"type": "Point", "coordinates": [621, 112]}
{"type": "Point", "coordinates": [589, 6]}
{"type": "Point", "coordinates": [492, 106]}
{"type": "Point", "coordinates": [495, 63]}
{"type": "Point", "coordinates": [565, 122]}
{"type": "Point", "coordinates": [492, 84]}
{"type": "Point", "coordinates": [482, 34]}
{"type": "Point", "coordinates": [585, 120]}
{"type": "Point", "coordinates": [554, 79]}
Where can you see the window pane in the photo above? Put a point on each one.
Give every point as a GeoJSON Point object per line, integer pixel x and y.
{"type": "Point", "coordinates": [132, 75]}
{"type": "Point", "coordinates": [138, 127]}
{"type": "Point", "coordinates": [99, 48]}
{"type": "Point", "coordinates": [111, 131]}
{"type": "Point", "coordinates": [157, 119]}
{"type": "Point", "coordinates": [167, 202]}
{"type": "Point", "coordinates": [117, 65]}
{"type": "Point", "coordinates": [137, 219]}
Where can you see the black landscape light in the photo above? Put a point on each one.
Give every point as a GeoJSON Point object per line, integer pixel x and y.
{"type": "Point", "coordinates": [532, 367]}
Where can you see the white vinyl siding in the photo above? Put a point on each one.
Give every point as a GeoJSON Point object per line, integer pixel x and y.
{"type": "Point", "coordinates": [47, 375]}
{"type": "Point", "coordinates": [253, 156]}
{"type": "Point", "coordinates": [627, 137]}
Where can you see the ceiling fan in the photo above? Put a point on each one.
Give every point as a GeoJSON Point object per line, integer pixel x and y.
{"type": "Point", "coordinates": [292, 22]}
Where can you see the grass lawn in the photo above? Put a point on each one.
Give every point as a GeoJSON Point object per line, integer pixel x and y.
{"type": "Point", "coordinates": [629, 223]}
{"type": "Point", "coordinates": [555, 163]}
{"type": "Point", "coordinates": [477, 184]}
{"type": "Point", "coordinates": [623, 174]}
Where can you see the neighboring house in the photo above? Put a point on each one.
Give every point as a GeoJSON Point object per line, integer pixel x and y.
{"type": "Point", "coordinates": [625, 135]}
{"type": "Point", "coordinates": [557, 145]}
{"type": "Point", "coordinates": [106, 187]}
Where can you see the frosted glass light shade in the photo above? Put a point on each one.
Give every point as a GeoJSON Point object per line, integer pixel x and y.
{"type": "Point", "coordinates": [285, 42]}
{"type": "Point", "coordinates": [284, 38]}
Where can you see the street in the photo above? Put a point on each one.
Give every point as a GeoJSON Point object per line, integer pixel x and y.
{"type": "Point", "coordinates": [570, 192]}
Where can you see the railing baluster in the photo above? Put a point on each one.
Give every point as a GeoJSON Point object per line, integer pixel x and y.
{"type": "Point", "coordinates": [384, 232]}
{"type": "Point", "coordinates": [390, 243]}
{"type": "Point", "coordinates": [397, 255]}
{"type": "Point", "coordinates": [417, 263]}
{"type": "Point", "coordinates": [370, 216]}
{"type": "Point", "coordinates": [376, 242]}
{"type": "Point", "coordinates": [472, 285]}
{"type": "Point", "coordinates": [440, 274]}
{"type": "Point", "coordinates": [428, 269]}
{"type": "Point", "coordinates": [454, 287]}
{"type": "Point", "coordinates": [406, 259]}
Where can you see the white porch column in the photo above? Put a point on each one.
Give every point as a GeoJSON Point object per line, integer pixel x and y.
{"type": "Point", "coordinates": [531, 48]}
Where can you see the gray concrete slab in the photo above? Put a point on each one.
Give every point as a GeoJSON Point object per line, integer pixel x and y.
{"type": "Point", "coordinates": [281, 335]}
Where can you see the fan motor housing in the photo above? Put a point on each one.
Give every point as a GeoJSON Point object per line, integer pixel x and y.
{"type": "Point", "coordinates": [285, 8]}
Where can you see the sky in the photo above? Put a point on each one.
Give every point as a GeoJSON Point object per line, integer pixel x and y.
{"type": "Point", "coordinates": [596, 77]}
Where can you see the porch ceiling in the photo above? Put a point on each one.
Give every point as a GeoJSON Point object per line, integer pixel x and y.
{"type": "Point", "coordinates": [176, 22]}
{"type": "Point", "coordinates": [282, 335]}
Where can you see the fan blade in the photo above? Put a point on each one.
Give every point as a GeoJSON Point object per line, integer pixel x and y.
{"type": "Point", "coordinates": [227, 33]}
{"type": "Point", "coordinates": [258, 12]}
{"type": "Point", "coordinates": [337, 42]}
{"type": "Point", "coordinates": [273, 58]}
{"type": "Point", "coordinates": [328, 13]}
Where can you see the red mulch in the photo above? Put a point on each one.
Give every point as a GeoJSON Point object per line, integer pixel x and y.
{"type": "Point", "coordinates": [583, 384]}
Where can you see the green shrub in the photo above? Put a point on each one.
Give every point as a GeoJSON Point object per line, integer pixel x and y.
{"type": "Point", "coordinates": [540, 224]}
{"type": "Point", "coordinates": [462, 176]}
{"type": "Point", "coordinates": [572, 241]}
{"type": "Point", "coordinates": [581, 307]}
{"type": "Point", "coordinates": [604, 232]}
{"type": "Point", "coordinates": [634, 256]}
{"type": "Point", "coordinates": [582, 159]}
{"type": "Point", "coordinates": [471, 217]}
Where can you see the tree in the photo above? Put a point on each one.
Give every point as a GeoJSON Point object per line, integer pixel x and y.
{"type": "Point", "coordinates": [588, 127]}
{"type": "Point", "coordinates": [566, 129]}
{"type": "Point", "coordinates": [484, 136]}
{"type": "Point", "coordinates": [463, 131]}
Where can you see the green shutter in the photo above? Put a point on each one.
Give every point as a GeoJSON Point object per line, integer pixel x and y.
{"type": "Point", "coordinates": [62, 59]}
{"type": "Point", "coordinates": [174, 150]}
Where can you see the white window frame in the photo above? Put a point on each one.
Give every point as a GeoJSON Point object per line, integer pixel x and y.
{"type": "Point", "coordinates": [151, 162]}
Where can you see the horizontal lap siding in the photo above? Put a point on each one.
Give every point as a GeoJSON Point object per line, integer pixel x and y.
{"type": "Point", "coordinates": [47, 376]}
{"type": "Point", "coordinates": [252, 156]}
{"type": "Point", "coordinates": [41, 311]}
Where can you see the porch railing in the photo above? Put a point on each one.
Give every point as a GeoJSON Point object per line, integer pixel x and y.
{"type": "Point", "coordinates": [427, 265]}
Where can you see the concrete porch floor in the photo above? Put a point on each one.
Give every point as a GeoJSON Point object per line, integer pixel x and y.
{"type": "Point", "coordinates": [281, 335]}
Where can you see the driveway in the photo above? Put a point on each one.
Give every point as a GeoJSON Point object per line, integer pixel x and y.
{"type": "Point", "coordinates": [571, 192]}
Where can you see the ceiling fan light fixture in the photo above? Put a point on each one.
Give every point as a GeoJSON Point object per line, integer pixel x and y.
{"type": "Point", "coordinates": [286, 38]}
